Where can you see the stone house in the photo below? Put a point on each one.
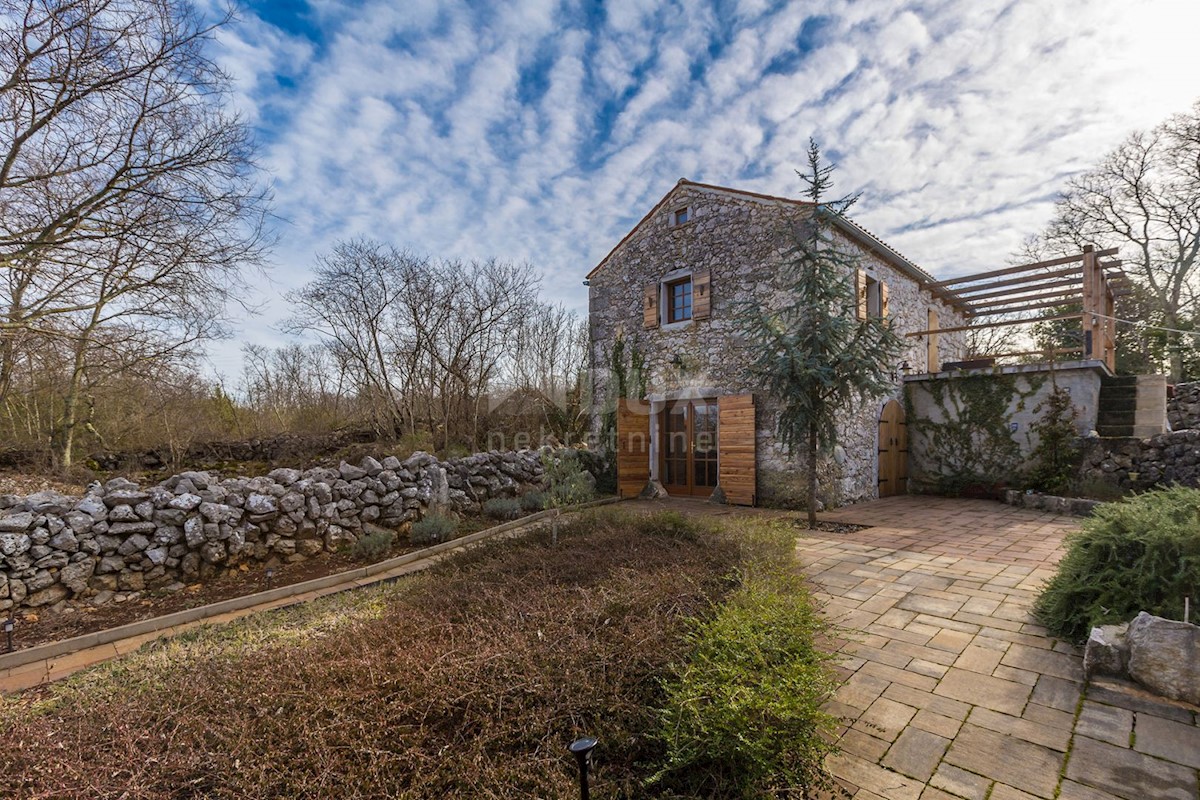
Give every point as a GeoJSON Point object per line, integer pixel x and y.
{"type": "Point", "coordinates": [662, 325]}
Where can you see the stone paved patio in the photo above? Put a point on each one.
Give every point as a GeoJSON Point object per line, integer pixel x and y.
{"type": "Point", "coordinates": [953, 691]}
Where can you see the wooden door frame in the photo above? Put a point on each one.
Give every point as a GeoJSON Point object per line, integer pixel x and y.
{"type": "Point", "coordinates": [898, 478]}
{"type": "Point", "coordinates": [690, 489]}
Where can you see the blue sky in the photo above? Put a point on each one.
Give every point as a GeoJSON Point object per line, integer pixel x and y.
{"type": "Point", "coordinates": [540, 131]}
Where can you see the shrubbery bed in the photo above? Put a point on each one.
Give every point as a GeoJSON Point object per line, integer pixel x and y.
{"type": "Point", "coordinates": [1142, 554]}
{"type": "Point", "coordinates": [466, 681]}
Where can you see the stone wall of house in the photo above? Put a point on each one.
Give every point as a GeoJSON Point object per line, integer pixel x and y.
{"type": "Point", "coordinates": [740, 240]}
{"type": "Point", "coordinates": [1139, 464]}
{"type": "Point", "coordinates": [1183, 407]}
{"type": "Point", "coordinates": [121, 537]}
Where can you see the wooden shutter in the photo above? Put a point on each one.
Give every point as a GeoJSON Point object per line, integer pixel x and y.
{"type": "Point", "coordinates": [633, 448]}
{"type": "Point", "coordinates": [860, 292]}
{"type": "Point", "coordinates": [932, 362]}
{"type": "Point", "coordinates": [736, 446]}
{"type": "Point", "coordinates": [701, 295]}
{"type": "Point", "coordinates": [883, 300]}
{"type": "Point", "coordinates": [650, 306]}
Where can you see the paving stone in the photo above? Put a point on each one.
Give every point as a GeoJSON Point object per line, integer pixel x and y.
{"type": "Point", "coordinates": [1127, 773]}
{"type": "Point", "coordinates": [984, 690]}
{"type": "Point", "coordinates": [930, 605]}
{"type": "Point", "coordinates": [1050, 717]}
{"type": "Point", "coordinates": [959, 782]}
{"type": "Point", "coordinates": [933, 793]}
{"type": "Point", "coordinates": [1134, 699]}
{"type": "Point", "coordinates": [1168, 739]}
{"type": "Point", "coordinates": [916, 753]}
{"type": "Point", "coordinates": [860, 690]}
{"type": "Point", "coordinates": [1002, 792]}
{"type": "Point", "coordinates": [951, 641]}
{"type": "Point", "coordinates": [885, 719]}
{"type": "Point", "coordinates": [1027, 730]}
{"type": "Point", "coordinates": [1023, 765]}
{"type": "Point", "coordinates": [1044, 662]}
{"type": "Point", "coordinates": [978, 658]}
{"type": "Point", "coordinates": [1070, 790]}
{"type": "Point", "coordinates": [1056, 693]}
{"type": "Point", "coordinates": [936, 723]}
{"type": "Point", "coordinates": [1105, 723]}
{"type": "Point", "coordinates": [872, 777]}
{"type": "Point", "coordinates": [863, 745]}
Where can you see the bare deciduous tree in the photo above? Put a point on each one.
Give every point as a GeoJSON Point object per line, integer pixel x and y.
{"type": "Point", "coordinates": [128, 192]}
{"type": "Point", "coordinates": [1144, 197]}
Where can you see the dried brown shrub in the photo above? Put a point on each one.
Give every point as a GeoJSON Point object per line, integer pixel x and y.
{"type": "Point", "coordinates": [466, 682]}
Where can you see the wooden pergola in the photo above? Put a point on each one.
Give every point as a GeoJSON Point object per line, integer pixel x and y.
{"type": "Point", "coordinates": [1081, 286]}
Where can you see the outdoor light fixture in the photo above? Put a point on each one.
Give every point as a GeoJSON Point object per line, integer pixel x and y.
{"type": "Point", "coordinates": [582, 750]}
{"type": "Point", "coordinates": [905, 367]}
{"type": "Point", "coordinates": [270, 575]}
{"type": "Point", "coordinates": [8, 630]}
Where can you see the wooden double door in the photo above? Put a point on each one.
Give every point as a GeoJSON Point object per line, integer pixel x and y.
{"type": "Point", "coordinates": [688, 447]}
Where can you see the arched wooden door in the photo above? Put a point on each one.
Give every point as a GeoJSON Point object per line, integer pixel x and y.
{"type": "Point", "coordinates": [893, 450]}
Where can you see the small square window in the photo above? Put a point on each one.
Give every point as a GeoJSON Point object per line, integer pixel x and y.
{"type": "Point", "coordinates": [679, 300]}
{"type": "Point", "coordinates": [682, 215]}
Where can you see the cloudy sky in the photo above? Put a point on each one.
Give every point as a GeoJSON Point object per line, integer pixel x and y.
{"type": "Point", "coordinates": [540, 131]}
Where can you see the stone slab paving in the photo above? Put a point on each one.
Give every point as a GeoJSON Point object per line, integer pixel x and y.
{"type": "Point", "coordinates": [952, 690]}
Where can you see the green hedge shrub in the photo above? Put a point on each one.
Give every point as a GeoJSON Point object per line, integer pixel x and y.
{"type": "Point", "coordinates": [502, 508]}
{"type": "Point", "coordinates": [433, 528]}
{"type": "Point", "coordinates": [373, 545]}
{"type": "Point", "coordinates": [1142, 554]}
{"type": "Point", "coordinates": [534, 500]}
{"type": "Point", "coordinates": [743, 716]}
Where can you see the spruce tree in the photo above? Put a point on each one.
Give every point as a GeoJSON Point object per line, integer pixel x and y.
{"type": "Point", "coordinates": [809, 351]}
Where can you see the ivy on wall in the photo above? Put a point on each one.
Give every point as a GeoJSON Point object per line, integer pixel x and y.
{"type": "Point", "coordinates": [970, 445]}
{"type": "Point", "coordinates": [627, 379]}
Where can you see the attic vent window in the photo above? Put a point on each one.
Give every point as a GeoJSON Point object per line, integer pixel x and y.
{"type": "Point", "coordinates": [681, 216]}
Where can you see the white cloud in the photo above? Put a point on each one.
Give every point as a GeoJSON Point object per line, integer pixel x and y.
{"type": "Point", "coordinates": [527, 132]}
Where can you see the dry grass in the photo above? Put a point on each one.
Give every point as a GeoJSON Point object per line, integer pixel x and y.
{"type": "Point", "coordinates": [466, 682]}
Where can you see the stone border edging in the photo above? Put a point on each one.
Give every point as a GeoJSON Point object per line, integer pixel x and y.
{"type": "Point", "coordinates": [63, 647]}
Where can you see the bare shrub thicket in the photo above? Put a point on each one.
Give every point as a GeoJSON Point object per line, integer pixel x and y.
{"type": "Point", "coordinates": [429, 346]}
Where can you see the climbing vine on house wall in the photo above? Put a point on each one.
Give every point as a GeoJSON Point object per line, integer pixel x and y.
{"type": "Point", "coordinates": [625, 381]}
{"type": "Point", "coordinates": [968, 443]}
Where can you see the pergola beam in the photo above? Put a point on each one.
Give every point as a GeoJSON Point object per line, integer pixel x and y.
{"type": "Point", "coordinates": [1002, 323]}
{"type": "Point", "coordinates": [980, 276]}
{"type": "Point", "coordinates": [1021, 298]}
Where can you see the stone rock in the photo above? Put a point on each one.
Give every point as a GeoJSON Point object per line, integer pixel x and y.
{"type": "Point", "coordinates": [292, 501]}
{"type": "Point", "coordinates": [16, 523]}
{"type": "Point", "coordinates": [371, 466]}
{"type": "Point", "coordinates": [48, 596]}
{"type": "Point", "coordinates": [123, 513]}
{"type": "Point", "coordinates": [134, 544]}
{"type": "Point", "coordinates": [131, 582]}
{"type": "Point", "coordinates": [143, 510]}
{"type": "Point", "coordinates": [104, 583]}
{"type": "Point", "coordinates": [110, 564]}
{"type": "Point", "coordinates": [217, 512]}
{"type": "Point", "coordinates": [40, 580]}
{"type": "Point", "coordinates": [131, 528]}
{"type": "Point", "coordinates": [653, 490]}
{"type": "Point", "coordinates": [1164, 656]}
{"type": "Point", "coordinates": [53, 560]}
{"type": "Point", "coordinates": [1107, 652]}
{"type": "Point", "coordinates": [157, 555]}
{"type": "Point", "coordinates": [49, 503]}
{"type": "Point", "coordinates": [14, 544]}
{"type": "Point", "coordinates": [213, 552]}
{"type": "Point", "coordinates": [185, 502]}
{"type": "Point", "coordinates": [261, 504]}
{"type": "Point", "coordinates": [309, 547]}
{"type": "Point", "coordinates": [125, 497]}
{"type": "Point", "coordinates": [392, 463]}
{"type": "Point", "coordinates": [75, 576]}
{"type": "Point", "coordinates": [78, 521]}
{"type": "Point", "coordinates": [101, 597]}
{"type": "Point", "coordinates": [285, 476]}
{"type": "Point", "coordinates": [92, 506]}
{"type": "Point", "coordinates": [349, 472]}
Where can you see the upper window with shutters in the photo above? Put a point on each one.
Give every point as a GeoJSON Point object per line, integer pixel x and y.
{"type": "Point", "coordinates": [872, 296]}
{"type": "Point", "coordinates": [677, 300]}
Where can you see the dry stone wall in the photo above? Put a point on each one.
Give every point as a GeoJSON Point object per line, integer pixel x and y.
{"type": "Point", "coordinates": [1183, 407]}
{"type": "Point", "coordinates": [1168, 458]}
{"type": "Point", "coordinates": [121, 537]}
